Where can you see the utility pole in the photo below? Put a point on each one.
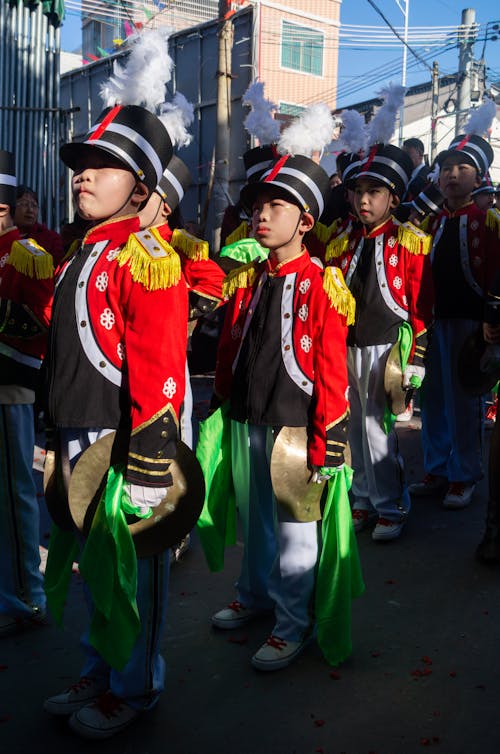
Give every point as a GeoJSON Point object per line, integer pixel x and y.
{"type": "Point", "coordinates": [465, 65]}
{"type": "Point", "coordinates": [223, 116]}
{"type": "Point", "coordinates": [434, 110]}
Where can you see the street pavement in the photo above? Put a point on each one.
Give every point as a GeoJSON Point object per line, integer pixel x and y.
{"type": "Point", "coordinates": [424, 672]}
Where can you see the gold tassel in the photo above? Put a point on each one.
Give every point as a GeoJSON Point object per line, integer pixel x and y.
{"type": "Point", "coordinates": [338, 293]}
{"type": "Point", "coordinates": [414, 239]}
{"type": "Point", "coordinates": [154, 272]}
{"type": "Point", "coordinates": [30, 259]}
{"type": "Point", "coordinates": [240, 277]}
{"type": "Point", "coordinates": [337, 246]}
{"type": "Point", "coordinates": [493, 219]}
{"type": "Point", "coordinates": [241, 232]}
{"type": "Point", "coordinates": [324, 232]}
{"type": "Point", "coordinates": [190, 246]}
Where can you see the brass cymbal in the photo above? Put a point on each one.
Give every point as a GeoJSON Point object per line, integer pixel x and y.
{"type": "Point", "coordinates": [397, 398]}
{"type": "Point", "coordinates": [291, 476]}
{"type": "Point", "coordinates": [171, 520]}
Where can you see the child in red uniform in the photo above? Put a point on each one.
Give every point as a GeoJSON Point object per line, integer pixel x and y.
{"type": "Point", "coordinates": [117, 362]}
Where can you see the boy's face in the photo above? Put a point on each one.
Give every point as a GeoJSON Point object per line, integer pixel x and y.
{"type": "Point", "coordinates": [484, 201]}
{"type": "Point", "coordinates": [458, 179]}
{"type": "Point", "coordinates": [373, 202]}
{"type": "Point", "coordinates": [276, 221]}
{"type": "Point", "coordinates": [103, 188]}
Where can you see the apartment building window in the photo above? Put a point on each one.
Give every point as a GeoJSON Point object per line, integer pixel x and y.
{"type": "Point", "coordinates": [287, 108]}
{"type": "Point", "coordinates": [302, 48]}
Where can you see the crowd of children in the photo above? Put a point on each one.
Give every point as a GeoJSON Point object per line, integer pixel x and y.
{"type": "Point", "coordinates": [321, 313]}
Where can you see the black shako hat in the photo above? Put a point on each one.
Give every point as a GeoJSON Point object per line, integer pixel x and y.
{"type": "Point", "coordinates": [258, 160]}
{"type": "Point", "coordinates": [474, 150]}
{"type": "Point", "coordinates": [174, 182]}
{"type": "Point", "coordinates": [389, 165]}
{"type": "Point", "coordinates": [8, 182]}
{"type": "Point", "coordinates": [133, 135]}
{"type": "Point", "coordinates": [300, 177]}
{"type": "Point", "coordinates": [428, 201]}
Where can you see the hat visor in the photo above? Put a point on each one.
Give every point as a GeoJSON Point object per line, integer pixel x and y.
{"type": "Point", "coordinates": [250, 192]}
{"type": "Point", "coordinates": [462, 156]}
{"type": "Point", "coordinates": [74, 153]}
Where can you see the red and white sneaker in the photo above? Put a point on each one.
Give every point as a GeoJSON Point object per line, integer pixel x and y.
{"type": "Point", "coordinates": [361, 518]}
{"type": "Point", "coordinates": [234, 615]}
{"type": "Point", "coordinates": [277, 653]}
{"type": "Point", "coordinates": [431, 484]}
{"type": "Point", "coordinates": [386, 530]}
{"type": "Point", "coordinates": [459, 495]}
{"type": "Point", "coordinates": [75, 697]}
{"type": "Point", "coordinates": [103, 718]}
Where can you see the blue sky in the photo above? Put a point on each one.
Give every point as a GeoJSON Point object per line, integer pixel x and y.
{"type": "Point", "coordinates": [356, 65]}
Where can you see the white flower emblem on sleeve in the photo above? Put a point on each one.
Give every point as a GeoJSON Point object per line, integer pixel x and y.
{"type": "Point", "coordinates": [107, 319]}
{"type": "Point", "coordinates": [304, 285]}
{"type": "Point", "coordinates": [474, 225]}
{"type": "Point", "coordinates": [397, 282]}
{"type": "Point", "coordinates": [392, 242]}
{"type": "Point", "coordinates": [303, 312]}
{"type": "Point", "coordinates": [169, 388]}
{"type": "Point", "coordinates": [306, 343]}
{"type": "Point", "coordinates": [3, 260]}
{"type": "Point", "coordinates": [235, 332]}
{"type": "Point", "coordinates": [101, 281]}
{"type": "Point", "coordinates": [112, 254]}
{"type": "Point", "coordinates": [120, 350]}
{"type": "Point", "coordinates": [393, 260]}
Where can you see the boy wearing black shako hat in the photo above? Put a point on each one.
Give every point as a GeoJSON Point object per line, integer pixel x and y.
{"type": "Point", "coordinates": [387, 269]}
{"type": "Point", "coordinates": [465, 257]}
{"type": "Point", "coordinates": [281, 366]}
{"type": "Point", "coordinates": [117, 355]}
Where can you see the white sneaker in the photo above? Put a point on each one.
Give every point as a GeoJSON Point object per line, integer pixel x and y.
{"type": "Point", "coordinates": [75, 697]}
{"type": "Point", "coordinates": [103, 718]}
{"type": "Point", "coordinates": [459, 495]}
{"type": "Point", "coordinates": [386, 530]}
{"type": "Point", "coordinates": [277, 653]}
{"type": "Point", "coordinates": [234, 615]}
{"type": "Point", "coordinates": [407, 414]}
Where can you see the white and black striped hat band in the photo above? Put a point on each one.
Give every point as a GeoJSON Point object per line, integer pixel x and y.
{"type": "Point", "coordinates": [477, 149]}
{"type": "Point", "coordinates": [428, 201]}
{"type": "Point", "coordinates": [134, 136]}
{"type": "Point", "coordinates": [8, 182]}
{"type": "Point", "coordinates": [389, 165]}
{"type": "Point", "coordinates": [258, 160]}
{"type": "Point", "coordinates": [174, 182]}
{"type": "Point", "coordinates": [298, 176]}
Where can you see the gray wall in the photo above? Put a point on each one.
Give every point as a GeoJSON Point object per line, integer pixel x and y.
{"type": "Point", "coordinates": [194, 52]}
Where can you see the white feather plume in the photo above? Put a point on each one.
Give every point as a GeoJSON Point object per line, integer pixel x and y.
{"type": "Point", "coordinates": [259, 121]}
{"type": "Point", "coordinates": [381, 128]}
{"type": "Point", "coordinates": [354, 131]}
{"type": "Point", "coordinates": [310, 132]}
{"type": "Point", "coordinates": [177, 116]}
{"type": "Point", "coordinates": [144, 75]}
{"type": "Point", "coordinates": [481, 118]}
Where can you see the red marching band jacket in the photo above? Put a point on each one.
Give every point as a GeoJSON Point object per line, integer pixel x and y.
{"type": "Point", "coordinates": [131, 310]}
{"type": "Point", "coordinates": [26, 291]}
{"type": "Point", "coordinates": [403, 271]}
{"type": "Point", "coordinates": [314, 315]}
{"type": "Point", "coordinates": [479, 236]}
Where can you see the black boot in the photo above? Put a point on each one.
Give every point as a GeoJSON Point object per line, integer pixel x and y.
{"type": "Point", "coordinates": [488, 551]}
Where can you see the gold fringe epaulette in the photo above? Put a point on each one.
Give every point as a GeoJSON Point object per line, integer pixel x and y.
{"type": "Point", "coordinates": [338, 293]}
{"type": "Point", "coordinates": [324, 232]}
{"type": "Point", "coordinates": [414, 239]}
{"type": "Point", "coordinates": [240, 277]}
{"type": "Point", "coordinates": [189, 245]}
{"type": "Point", "coordinates": [338, 245]}
{"type": "Point", "coordinates": [426, 222]}
{"type": "Point", "coordinates": [152, 260]}
{"type": "Point", "coordinates": [241, 232]}
{"type": "Point", "coordinates": [30, 259]}
{"type": "Point", "coordinates": [493, 219]}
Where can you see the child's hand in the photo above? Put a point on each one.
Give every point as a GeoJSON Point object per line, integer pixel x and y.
{"type": "Point", "coordinates": [322, 474]}
{"type": "Point", "coordinates": [413, 376]}
{"type": "Point", "coordinates": [142, 499]}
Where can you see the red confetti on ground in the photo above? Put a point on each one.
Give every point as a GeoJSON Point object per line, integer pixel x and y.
{"type": "Point", "coordinates": [375, 653]}
{"type": "Point", "coordinates": [426, 660]}
{"type": "Point", "coordinates": [417, 673]}
{"type": "Point", "coordinates": [389, 581]}
{"type": "Point", "coordinates": [335, 676]}
{"type": "Point", "coordinates": [452, 674]}
{"type": "Point", "coordinates": [425, 742]}
{"type": "Point", "coordinates": [436, 713]}
{"type": "Point", "coordinates": [238, 639]}
{"type": "Point", "coordinates": [319, 723]}
{"type": "Point", "coordinates": [319, 750]}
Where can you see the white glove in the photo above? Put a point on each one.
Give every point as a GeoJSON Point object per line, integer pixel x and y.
{"type": "Point", "coordinates": [318, 478]}
{"type": "Point", "coordinates": [144, 498]}
{"type": "Point", "coordinates": [412, 371]}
